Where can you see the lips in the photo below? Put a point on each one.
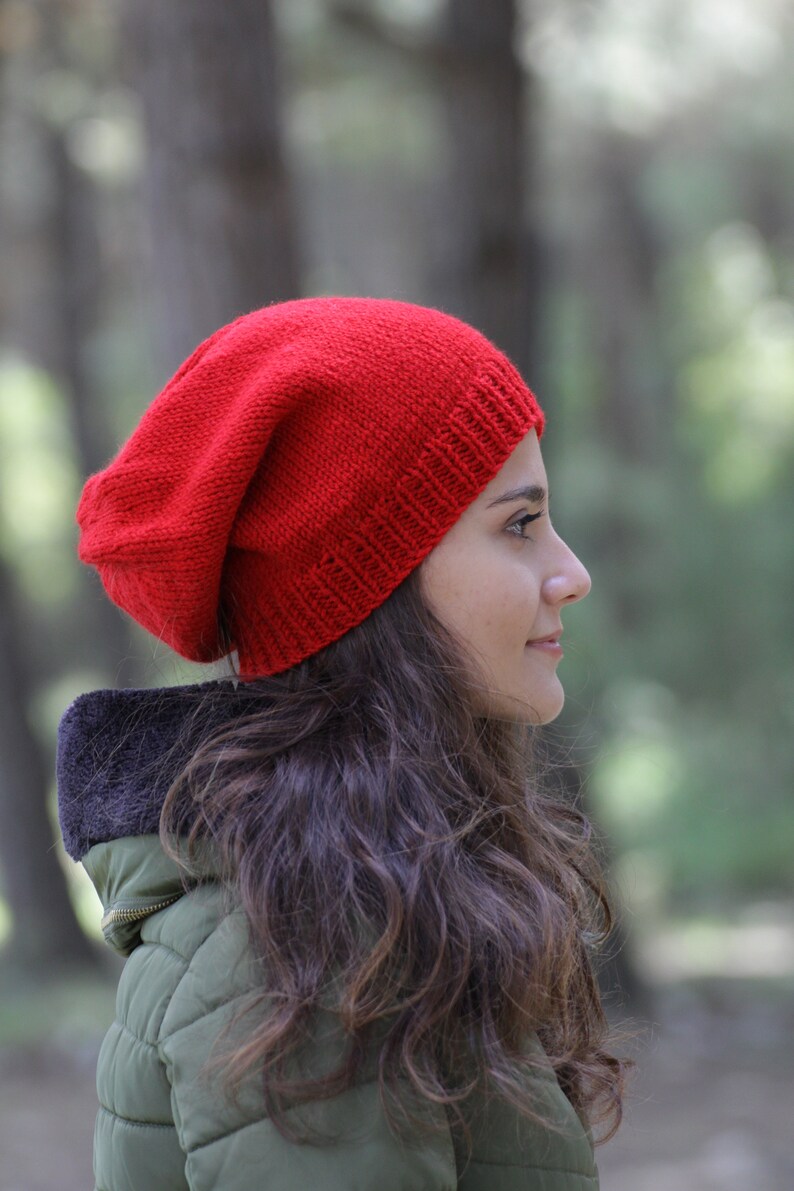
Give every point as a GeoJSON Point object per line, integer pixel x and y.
{"type": "Point", "coordinates": [552, 637]}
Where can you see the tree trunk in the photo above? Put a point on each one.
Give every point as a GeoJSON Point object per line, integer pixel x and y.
{"type": "Point", "coordinates": [488, 258]}
{"type": "Point", "coordinates": [620, 270]}
{"type": "Point", "coordinates": [76, 297]}
{"type": "Point", "coordinates": [616, 267]}
{"type": "Point", "coordinates": [51, 324]}
{"type": "Point", "coordinates": [218, 198]}
{"type": "Point", "coordinates": [45, 932]}
{"type": "Point", "coordinates": [58, 309]}
{"type": "Point", "coordinates": [493, 251]}
{"type": "Point", "coordinates": [620, 983]}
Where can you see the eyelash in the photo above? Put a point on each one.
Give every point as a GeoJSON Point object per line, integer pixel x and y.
{"type": "Point", "coordinates": [522, 521]}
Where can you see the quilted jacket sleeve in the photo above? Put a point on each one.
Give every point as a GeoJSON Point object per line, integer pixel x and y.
{"type": "Point", "coordinates": [163, 1128]}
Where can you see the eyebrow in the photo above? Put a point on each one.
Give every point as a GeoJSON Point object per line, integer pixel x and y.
{"type": "Point", "coordinates": [535, 494]}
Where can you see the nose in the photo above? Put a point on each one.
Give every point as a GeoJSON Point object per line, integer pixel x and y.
{"type": "Point", "coordinates": [568, 579]}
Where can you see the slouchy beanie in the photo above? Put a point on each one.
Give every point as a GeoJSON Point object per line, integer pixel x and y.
{"type": "Point", "coordinates": [297, 467]}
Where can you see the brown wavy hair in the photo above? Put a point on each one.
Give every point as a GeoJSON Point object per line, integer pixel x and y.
{"type": "Point", "coordinates": [403, 862]}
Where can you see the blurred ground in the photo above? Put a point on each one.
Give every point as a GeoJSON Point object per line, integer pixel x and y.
{"type": "Point", "coordinates": [711, 1104]}
{"type": "Point", "coordinates": [710, 1108]}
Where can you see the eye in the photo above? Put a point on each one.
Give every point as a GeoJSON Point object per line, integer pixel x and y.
{"type": "Point", "coordinates": [518, 526]}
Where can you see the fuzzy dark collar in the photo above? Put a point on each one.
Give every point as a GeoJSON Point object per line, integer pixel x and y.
{"type": "Point", "coordinates": [118, 752]}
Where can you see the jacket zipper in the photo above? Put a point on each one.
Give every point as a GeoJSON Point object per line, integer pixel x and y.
{"type": "Point", "coordinates": [142, 912]}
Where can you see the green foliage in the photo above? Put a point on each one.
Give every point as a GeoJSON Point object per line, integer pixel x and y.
{"type": "Point", "coordinates": [38, 482]}
{"type": "Point", "coordinates": [699, 795]}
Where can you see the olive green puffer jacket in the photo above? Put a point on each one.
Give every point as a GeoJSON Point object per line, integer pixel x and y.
{"type": "Point", "coordinates": [189, 967]}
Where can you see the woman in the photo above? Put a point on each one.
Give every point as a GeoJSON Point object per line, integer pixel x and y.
{"type": "Point", "coordinates": [359, 931]}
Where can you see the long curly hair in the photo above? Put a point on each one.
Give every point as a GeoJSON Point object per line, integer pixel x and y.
{"type": "Point", "coordinates": [404, 862]}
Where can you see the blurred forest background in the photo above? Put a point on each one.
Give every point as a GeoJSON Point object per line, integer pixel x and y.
{"type": "Point", "coordinates": [606, 188]}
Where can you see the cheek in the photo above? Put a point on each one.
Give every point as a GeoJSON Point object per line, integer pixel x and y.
{"type": "Point", "coordinates": [487, 598]}
{"type": "Point", "coordinates": [499, 610]}
{"type": "Point", "coordinates": [463, 592]}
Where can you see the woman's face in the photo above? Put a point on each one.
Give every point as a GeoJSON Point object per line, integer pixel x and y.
{"type": "Point", "coordinates": [498, 584]}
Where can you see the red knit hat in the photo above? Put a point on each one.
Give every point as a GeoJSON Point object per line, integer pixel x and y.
{"type": "Point", "coordinates": [296, 468]}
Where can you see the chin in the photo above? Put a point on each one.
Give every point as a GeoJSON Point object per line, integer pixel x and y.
{"type": "Point", "coordinates": [540, 716]}
{"type": "Point", "coordinates": [546, 704]}
{"type": "Point", "coordinates": [548, 716]}
{"type": "Point", "coordinates": [521, 711]}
